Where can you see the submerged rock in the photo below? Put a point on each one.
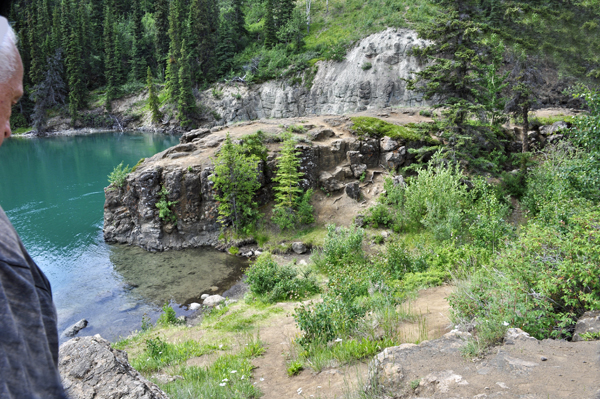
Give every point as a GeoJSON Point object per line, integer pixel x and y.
{"type": "Point", "coordinates": [75, 328]}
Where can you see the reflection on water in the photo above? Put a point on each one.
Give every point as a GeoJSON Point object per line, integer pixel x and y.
{"type": "Point", "coordinates": [52, 189]}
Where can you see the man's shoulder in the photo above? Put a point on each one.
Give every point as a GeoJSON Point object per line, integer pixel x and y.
{"type": "Point", "coordinates": [11, 248]}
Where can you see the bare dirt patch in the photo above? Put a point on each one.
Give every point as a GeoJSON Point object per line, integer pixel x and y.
{"type": "Point", "coordinates": [271, 372]}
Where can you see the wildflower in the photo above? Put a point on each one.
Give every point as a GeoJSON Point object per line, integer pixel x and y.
{"type": "Point", "coordinates": [262, 379]}
{"type": "Point", "coordinates": [505, 323]}
{"type": "Point", "coordinates": [233, 371]}
{"type": "Point", "coordinates": [299, 391]}
{"type": "Point", "coordinates": [338, 340]}
{"type": "Point", "coordinates": [243, 377]}
{"type": "Point", "coordinates": [222, 384]}
{"type": "Point", "coordinates": [224, 380]}
{"type": "Point", "coordinates": [220, 346]}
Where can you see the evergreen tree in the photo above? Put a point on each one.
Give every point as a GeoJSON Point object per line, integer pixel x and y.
{"type": "Point", "coordinates": [236, 181]}
{"type": "Point", "coordinates": [239, 24]}
{"type": "Point", "coordinates": [36, 60]}
{"type": "Point", "coordinates": [186, 103]}
{"type": "Point", "coordinates": [203, 22]}
{"type": "Point", "coordinates": [49, 93]}
{"type": "Point", "coordinates": [270, 30]}
{"type": "Point", "coordinates": [283, 12]}
{"type": "Point", "coordinates": [138, 63]}
{"type": "Point", "coordinates": [226, 45]}
{"type": "Point", "coordinates": [153, 102]}
{"type": "Point", "coordinates": [176, 26]}
{"type": "Point", "coordinates": [287, 189]}
{"type": "Point", "coordinates": [110, 67]}
{"type": "Point", "coordinates": [161, 20]}
{"type": "Point", "coordinates": [75, 73]}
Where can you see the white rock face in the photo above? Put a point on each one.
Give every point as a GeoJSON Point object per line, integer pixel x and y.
{"type": "Point", "coordinates": [338, 87]}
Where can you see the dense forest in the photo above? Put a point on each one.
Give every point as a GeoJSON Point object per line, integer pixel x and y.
{"type": "Point", "coordinates": [78, 53]}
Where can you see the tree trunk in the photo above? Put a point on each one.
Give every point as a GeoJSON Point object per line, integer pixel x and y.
{"type": "Point", "coordinates": [525, 138]}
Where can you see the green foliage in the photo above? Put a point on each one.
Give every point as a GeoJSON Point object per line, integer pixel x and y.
{"type": "Point", "coordinates": [167, 317]}
{"type": "Point", "coordinates": [294, 368]}
{"type": "Point", "coordinates": [366, 66]}
{"type": "Point", "coordinates": [165, 207]}
{"type": "Point", "coordinates": [153, 102]}
{"type": "Point", "coordinates": [590, 336]}
{"type": "Point", "coordinates": [275, 283]}
{"type": "Point", "coordinates": [289, 199]}
{"type": "Point", "coordinates": [118, 176]}
{"type": "Point", "coordinates": [253, 144]}
{"type": "Point", "coordinates": [160, 354]}
{"type": "Point", "coordinates": [541, 284]}
{"type": "Point", "coordinates": [375, 127]}
{"type": "Point", "coordinates": [233, 250]}
{"type": "Point", "coordinates": [236, 180]}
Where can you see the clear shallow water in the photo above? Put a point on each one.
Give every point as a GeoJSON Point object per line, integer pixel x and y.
{"type": "Point", "coordinates": [52, 191]}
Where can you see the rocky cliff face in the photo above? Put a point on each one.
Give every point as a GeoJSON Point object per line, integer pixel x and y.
{"type": "Point", "coordinates": [332, 160]}
{"type": "Point", "coordinates": [369, 78]}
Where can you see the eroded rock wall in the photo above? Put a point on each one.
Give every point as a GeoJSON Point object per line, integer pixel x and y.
{"type": "Point", "coordinates": [132, 217]}
{"type": "Point", "coordinates": [338, 87]}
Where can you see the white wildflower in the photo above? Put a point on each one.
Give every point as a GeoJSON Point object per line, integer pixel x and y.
{"type": "Point", "coordinates": [222, 384]}
{"type": "Point", "coordinates": [233, 371]}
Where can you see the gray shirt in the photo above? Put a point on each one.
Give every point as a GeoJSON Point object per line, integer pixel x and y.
{"type": "Point", "coordinates": [28, 332]}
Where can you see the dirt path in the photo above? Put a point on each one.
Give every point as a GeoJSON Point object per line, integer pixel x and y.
{"type": "Point", "coordinates": [334, 382]}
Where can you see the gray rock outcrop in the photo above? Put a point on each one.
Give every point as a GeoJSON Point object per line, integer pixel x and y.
{"type": "Point", "coordinates": [337, 87]}
{"type": "Point", "coordinates": [91, 369]}
{"type": "Point", "coordinates": [588, 323]}
{"type": "Point", "coordinates": [132, 217]}
{"type": "Point", "coordinates": [299, 248]}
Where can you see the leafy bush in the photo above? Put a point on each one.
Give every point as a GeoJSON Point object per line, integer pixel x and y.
{"type": "Point", "coordinates": [366, 66]}
{"type": "Point", "coordinates": [118, 176]}
{"type": "Point", "coordinates": [168, 316]}
{"type": "Point", "coordinates": [342, 247]}
{"type": "Point", "coordinates": [541, 284]}
{"type": "Point", "coordinates": [274, 283]}
{"type": "Point", "coordinates": [165, 207]}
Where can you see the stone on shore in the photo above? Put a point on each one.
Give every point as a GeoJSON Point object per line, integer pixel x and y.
{"type": "Point", "coordinates": [75, 328]}
{"type": "Point", "coordinates": [213, 300]}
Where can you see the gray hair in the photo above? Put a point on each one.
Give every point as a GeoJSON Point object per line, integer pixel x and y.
{"type": "Point", "coordinates": [9, 55]}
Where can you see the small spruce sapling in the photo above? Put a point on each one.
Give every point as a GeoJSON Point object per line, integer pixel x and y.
{"type": "Point", "coordinates": [153, 102]}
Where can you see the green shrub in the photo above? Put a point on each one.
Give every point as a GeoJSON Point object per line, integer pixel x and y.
{"type": "Point", "coordinates": [233, 250]}
{"type": "Point", "coordinates": [294, 368]}
{"type": "Point", "coordinates": [168, 317]}
{"type": "Point", "coordinates": [366, 66]}
{"type": "Point", "coordinates": [117, 177]}
{"type": "Point", "coordinates": [541, 284]}
{"type": "Point", "coordinates": [342, 247]}
{"type": "Point", "coordinates": [274, 283]}
{"type": "Point", "coordinates": [165, 207]}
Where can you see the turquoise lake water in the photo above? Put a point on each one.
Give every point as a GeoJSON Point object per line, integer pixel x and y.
{"type": "Point", "coordinates": [52, 191]}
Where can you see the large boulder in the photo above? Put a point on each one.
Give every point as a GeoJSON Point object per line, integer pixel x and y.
{"type": "Point", "coordinates": [588, 323]}
{"type": "Point", "coordinates": [320, 134]}
{"type": "Point", "coordinates": [353, 190]}
{"type": "Point", "coordinates": [91, 369]}
{"type": "Point", "coordinates": [554, 128]}
{"type": "Point", "coordinates": [213, 300]}
{"type": "Point", "coordinates": [329, 183]}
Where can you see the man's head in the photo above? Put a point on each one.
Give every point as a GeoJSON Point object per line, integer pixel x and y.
{"type": "Point", "coordinates": [11, 76]}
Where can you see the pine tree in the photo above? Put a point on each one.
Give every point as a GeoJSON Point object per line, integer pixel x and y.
{"type": "Point", "coordinates": [270, 30]}
{"type": "Point", "coordinates": [161, 18]}
{"type": "Point", "coordinates": [138, 63]}
{"type": "Point", "coordinates": [36, 61]}
{"type": "Point", "coordinates": [153, 102]}
{"type": "Point", "coordinates": [283, 13]}
{"type": "Point", "coordinates": [48, 93]}
{"type": "Point", "coordinates": [186, 103]}
{"type": "Point", "coordinates": [176, 13]}
{"type": "Point", "coordinates": [287, 189]}
{"type": "Point", "coordinates": [109, 59]}
{"type": "Point", "coordinates": [75, 75]}
{"type": "Point", "coordinates": [236, 181]}
{"type": "Point", "coordinates": [203, 22]}
{"type": "Point", "coordinates": [239, 24]}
